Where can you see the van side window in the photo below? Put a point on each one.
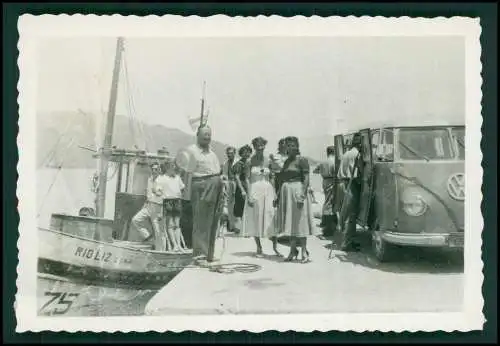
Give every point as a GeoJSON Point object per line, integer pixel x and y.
{"type": "Point", "coordinates": [375, 144]}
{"type": "Point", "coordinates": [385, 151]}
{"type": "Point", "coordinates": [347, 142]}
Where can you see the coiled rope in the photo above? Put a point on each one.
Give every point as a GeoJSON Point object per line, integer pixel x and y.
{"type": "Point", "coordinates": [223, 268]}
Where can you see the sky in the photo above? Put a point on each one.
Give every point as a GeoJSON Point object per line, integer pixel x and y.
{"type": "Point", "coordinates": [262, 86]}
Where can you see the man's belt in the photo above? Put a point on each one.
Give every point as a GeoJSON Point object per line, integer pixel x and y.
{"type": "Point", "coordinates": [205, 177]}
{"type": "Point", "coordinates": [157, 203]}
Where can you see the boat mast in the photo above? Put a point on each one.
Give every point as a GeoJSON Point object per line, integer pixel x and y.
{"type": "Point", "coordinates": [108, 135]}
{"type": "Point", "coordinates": [202, 115]}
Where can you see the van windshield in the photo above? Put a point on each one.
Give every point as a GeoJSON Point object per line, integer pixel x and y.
{"type": "Point", "coordinates": [458, 134]}
{"type": "Point", "coordinates": [425, 144]}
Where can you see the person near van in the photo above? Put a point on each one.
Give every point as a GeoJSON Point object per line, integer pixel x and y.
{"type": "Point", "coordinates": [152, 210]}
{"type": "Point", "coordinates": [349, 174]}
{"type": "Point", "coordinates": [328, 173]}
{"type": "Point", "coordinates": [259, 215]}
{"type": "Point", "coordinates": [294, 202]}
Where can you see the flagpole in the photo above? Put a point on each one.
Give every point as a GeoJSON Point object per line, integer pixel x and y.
{"type": "Point", "coordinates": [202, 114]}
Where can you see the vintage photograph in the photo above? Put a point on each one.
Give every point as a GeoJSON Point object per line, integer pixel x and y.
{"type": "Point", "coordinates": [252, 174]}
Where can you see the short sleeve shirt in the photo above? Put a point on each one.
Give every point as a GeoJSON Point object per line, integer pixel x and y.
{"type": "Point", "coordinates": [241, 169]}
{"type": "Point", "coordinates": [327, 169]}
{"type": "Point", "coordinates": [155, 190]}
{"type": "Point", "coordinates": [202, 162]}
{"type": "Point", "coordinates": [172, 187]}
{"type": "Point", "coordinates": [295, 169]}
{"type": "Point", "coordinates": [227, 170]}
{"type": "Point", "coordinates": [347, 164]}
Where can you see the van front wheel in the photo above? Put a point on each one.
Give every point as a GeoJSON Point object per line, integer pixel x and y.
{"type": "Point", "coordinates": [383, 250]}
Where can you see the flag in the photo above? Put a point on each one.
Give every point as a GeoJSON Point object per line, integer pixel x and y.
{"type": "Point", "coordinates": [195, 123]}
{"type": "Point", "coordinates": [198, 122]}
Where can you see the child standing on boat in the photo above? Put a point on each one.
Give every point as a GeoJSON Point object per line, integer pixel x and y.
{"type": "Point", "coordinates": [172, 193]}
{"type": "Point", "coordinates": [151, 211]}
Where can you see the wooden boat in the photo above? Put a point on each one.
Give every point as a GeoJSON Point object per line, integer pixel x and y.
{"type": "Point", "coordinates": [88, 258]}
{"type": "Point", "coordinates": [111, 264]}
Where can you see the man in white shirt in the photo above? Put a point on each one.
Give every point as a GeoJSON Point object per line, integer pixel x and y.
{"type": "Point", "coordinates": [152, 210]}
{"type": "Point", "coordinates": [204, 169]}
{"type": "Point", "coordinates": [349, 175]}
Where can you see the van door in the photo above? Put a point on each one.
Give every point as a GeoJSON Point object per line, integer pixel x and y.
{"type": "Point", "coordinates": [339, 148]}
{"type": "Point", "coordinates": [367, 167]}
{"type": "Point", "coordinates": [339, 151]}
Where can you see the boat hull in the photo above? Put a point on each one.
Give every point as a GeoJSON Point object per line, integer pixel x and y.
{"type": "Point", "coordinates": [116, 265]}
{"type": "Point", "coordinates": [59, 296]}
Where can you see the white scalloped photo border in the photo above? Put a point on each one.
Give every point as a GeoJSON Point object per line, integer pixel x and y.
{"type": "Point", "coordinates": [31, 28]}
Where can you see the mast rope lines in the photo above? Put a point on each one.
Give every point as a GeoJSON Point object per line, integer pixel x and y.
{"type": "Point", "coordinates": [44, 199]}
{"type": "Point", "coordinates": [51, 154]}
{"type": "Point", "coordinates": [131, 109]}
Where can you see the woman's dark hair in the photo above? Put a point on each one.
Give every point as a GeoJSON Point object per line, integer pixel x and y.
{"type": "Point", "coordinates": [244, 148]}
{"type": "Point", "coordinates": [281, 142]}
{"type": "Point", "coordinates": [294, 140]}
{"type": "Point", "coordinates": [258, 141]}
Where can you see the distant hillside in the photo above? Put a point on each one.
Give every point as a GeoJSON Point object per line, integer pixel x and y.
{"type": "Point", "coordinates": [60, 135]}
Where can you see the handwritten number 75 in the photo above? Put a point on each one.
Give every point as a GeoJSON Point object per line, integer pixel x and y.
{"type": "Point", "coordinates": [63, 298]}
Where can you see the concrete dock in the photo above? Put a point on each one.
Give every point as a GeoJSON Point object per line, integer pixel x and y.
{"type": "Point", "coordinates": [350, 282]}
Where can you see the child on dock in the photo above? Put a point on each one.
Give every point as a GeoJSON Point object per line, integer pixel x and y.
{"type": "Point", "coordinates": [173, 188]}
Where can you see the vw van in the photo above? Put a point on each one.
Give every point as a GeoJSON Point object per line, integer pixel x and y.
{"type": "Point", "coordinates": [413, 186]}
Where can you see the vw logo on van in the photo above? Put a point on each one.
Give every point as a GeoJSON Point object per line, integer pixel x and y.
{"type": "Point", "coordinates": [456, 186]}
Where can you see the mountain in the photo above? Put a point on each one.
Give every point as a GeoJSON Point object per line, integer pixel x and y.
{"type": "Point", "coordinates": [61, 136]}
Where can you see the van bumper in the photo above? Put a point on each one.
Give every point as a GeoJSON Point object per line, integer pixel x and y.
{"type": "Point", "coordinates": [425, 239]}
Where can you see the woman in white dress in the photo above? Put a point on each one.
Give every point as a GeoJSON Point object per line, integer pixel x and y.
{"type": "Point", "coordinates": [259, 212]}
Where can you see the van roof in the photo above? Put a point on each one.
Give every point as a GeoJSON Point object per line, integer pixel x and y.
{"type": "Point", "coordinates": [399, 126]}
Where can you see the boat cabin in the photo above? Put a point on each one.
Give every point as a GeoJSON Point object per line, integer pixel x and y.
{"type": "Point", "coordinates": [132, 173]}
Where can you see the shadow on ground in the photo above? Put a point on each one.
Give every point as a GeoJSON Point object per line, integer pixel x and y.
{"type": "Point", "coordinates": [269, 257]}
{"type": "Point", "coordinates": [406, 259]}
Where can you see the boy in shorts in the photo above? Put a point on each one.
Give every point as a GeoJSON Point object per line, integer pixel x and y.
{"type": "Point", "coordinates": [172, 189]}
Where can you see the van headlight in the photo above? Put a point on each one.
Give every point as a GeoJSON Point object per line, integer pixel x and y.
{"type": "Point", "coordinates": [413, 203]}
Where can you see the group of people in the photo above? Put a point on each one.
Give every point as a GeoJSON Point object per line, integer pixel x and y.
{"type": "Point", "coordinates": [268, 196]}
{"type": "Point", "coordinates": [163, 203]}
{"type": "Point", "coordinates": [257, 196]}
{"type": "Point", "coordinates": [337, 182]}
